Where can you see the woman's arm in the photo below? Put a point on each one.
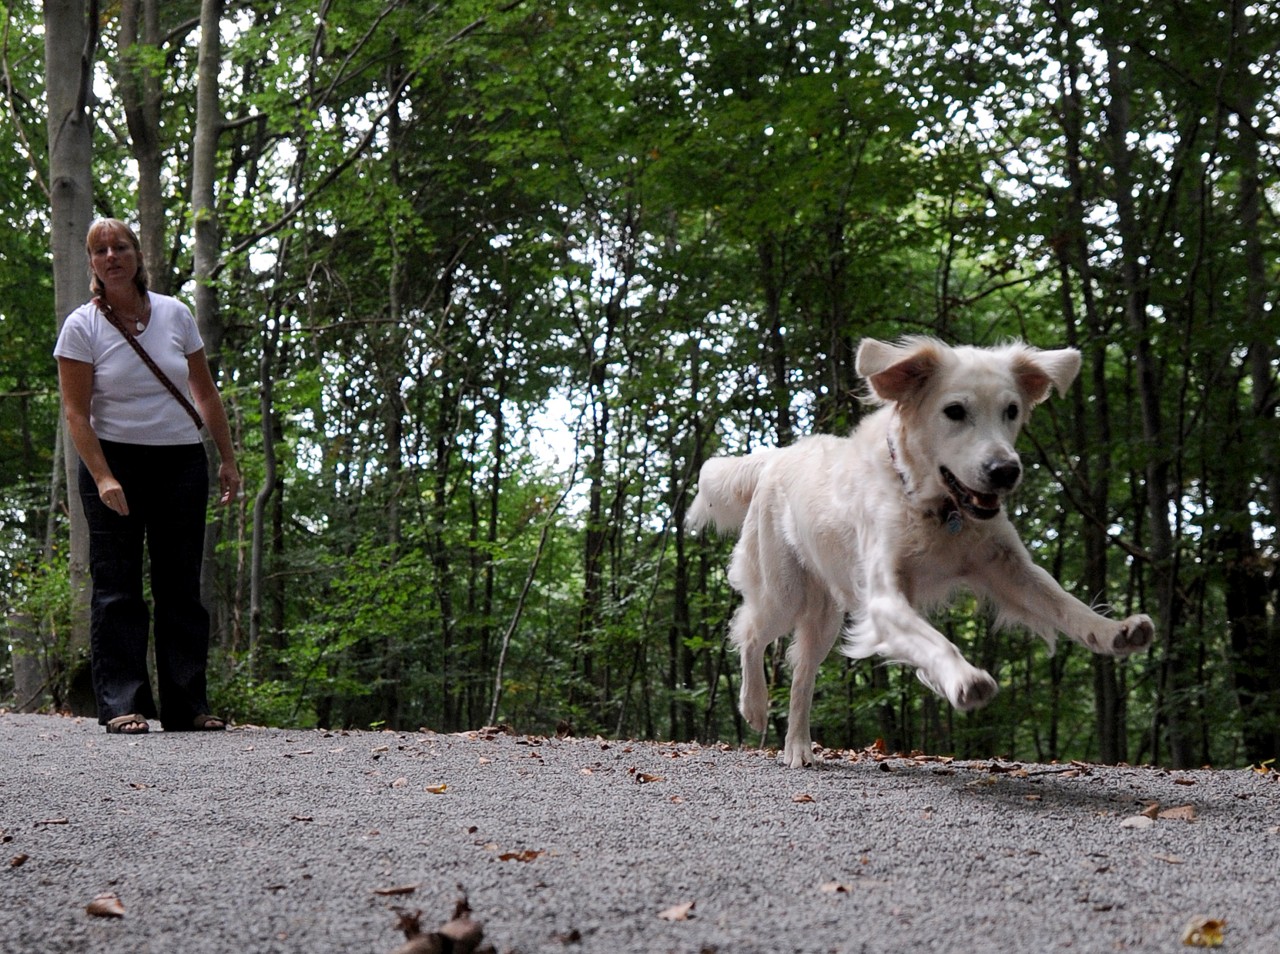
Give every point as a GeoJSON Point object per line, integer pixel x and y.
{"type": "Point", "coordinates": [209, 403]}
{"type": "Point", "coordinates": [75, 379]}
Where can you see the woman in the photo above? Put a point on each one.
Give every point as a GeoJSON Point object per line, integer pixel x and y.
{"type": "Point", "coordinates": [143, 480]}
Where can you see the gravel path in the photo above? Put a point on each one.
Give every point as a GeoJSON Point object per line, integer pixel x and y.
{"type": "Point", "coordinates": [266, 840]}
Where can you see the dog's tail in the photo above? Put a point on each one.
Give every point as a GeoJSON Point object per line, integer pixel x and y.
{"type": "Point", "coordinates": [725, 486]}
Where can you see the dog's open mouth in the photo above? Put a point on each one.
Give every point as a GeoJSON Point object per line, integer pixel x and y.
{"type": "Point", "coordinates": [981, 506]}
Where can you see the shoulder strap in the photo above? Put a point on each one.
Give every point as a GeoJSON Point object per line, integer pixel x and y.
{"type": "Point", "coordinates": [110, 314]}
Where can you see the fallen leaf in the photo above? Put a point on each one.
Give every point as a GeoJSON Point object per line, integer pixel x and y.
{"type": "Point", "coordinates": [1152, 810]}
{"type": "Point", "coordinates": [644, 778]}
{"type": "Point", "coordinates": [527, 855]}
{"type": "Point", "coordinates": [106, 905]}
{"type": "Point", "coordinates": [437, 789]}
{"type": "Point", "coordinates": [17, 861]}
{"type": "Point", "coordinates": [835, 887]}
{"type": "Point", "coordinates": [1138, 822]}
{"type": "Point", "coordinates": [678, 912]}
{"type": "Point", "coordinates": [1169, 859]}
{"type": "Point", "coordinates": [401, 782]}
{"type": "Point", "coordinates": [677, 800]}
{"type": "Point", "coordinates": [396, 889]}
{"type": "Point", "coordinates": [803, 798]}
{"type": "Point", "coordinates": [1202, 931]}
{"type": "Point", "coordinates": [1184, 781]}
{"type": "Point", "coordinates": [1181, 813]}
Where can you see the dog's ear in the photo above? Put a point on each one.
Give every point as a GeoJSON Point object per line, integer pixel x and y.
{"type": "Point", "coordinates": [895, 372]}
{"type": "Point", "coordinates": [1038, 372]}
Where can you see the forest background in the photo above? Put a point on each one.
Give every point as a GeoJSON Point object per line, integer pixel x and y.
{"type": "Point", "coordinates": [485, 281]}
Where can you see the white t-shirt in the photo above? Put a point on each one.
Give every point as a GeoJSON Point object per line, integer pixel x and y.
{"type": "Point", "coordinates": [129, 403]}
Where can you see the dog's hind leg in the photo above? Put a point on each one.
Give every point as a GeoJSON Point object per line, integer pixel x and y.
{"type": "Point", "coordinates": [746, 635]}
{"type": "Point", "coordinates": [816, 632]}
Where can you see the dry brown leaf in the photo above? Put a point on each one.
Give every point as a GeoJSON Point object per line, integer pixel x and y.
{"type": "Point", "coordinates": [644, 778]}
{"type": "Point", "coordinates": [17, 861]}
{"type": "Point", "coordinates": [1184, 781]}
{"type": "Point", "coordinates": [396, 889]}
{"type": "Point", "coordinates": [678, 912]}
{"type": "Point", "coordinates": [803, 798]}
{"type": "Point", "coordinates": [438, 789]}
{"type": "Point", "coordinates": [401, 782]}
{"type": "Point", "coordinates": [1152, 809]}
{"type": "Point", "coordinates": [1202, 931]}
{"type": "Point", "coordinates": [1180, 813]}
{"type": "Point", "coordinates": [105, 905]}
{"type": "Point", "coordinates": [527, 855]}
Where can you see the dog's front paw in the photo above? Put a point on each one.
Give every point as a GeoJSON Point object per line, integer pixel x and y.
{"type": "Point", "coordinates": [1135, 633]}
{"type": "Point", "coordinates": [754, 705]}
{"type": "Point", "coordinates": [965, 691]}
{"type": "Point", "coordinates": [798, 753]}
{"type": "Point", "coordinates": [975, 692]}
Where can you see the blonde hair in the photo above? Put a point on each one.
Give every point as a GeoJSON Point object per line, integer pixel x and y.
{"type": "Point", "coordinates": [116, 227]}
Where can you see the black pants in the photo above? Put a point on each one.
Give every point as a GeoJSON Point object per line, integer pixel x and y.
{"type": "Point", "coordinates": [167, 489]}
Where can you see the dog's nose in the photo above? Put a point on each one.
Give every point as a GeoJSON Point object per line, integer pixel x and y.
{"type": "Point", "coordinates": [1004, 474]}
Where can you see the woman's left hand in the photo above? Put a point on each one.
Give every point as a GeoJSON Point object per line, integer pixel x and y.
{"type": "Point", "coordinates": [229, 482]}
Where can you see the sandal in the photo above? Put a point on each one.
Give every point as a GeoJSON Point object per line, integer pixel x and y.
{"type": "Point", "coordinates": [129, 724]}
{"type": "Point", "coordinates": [208, 723]}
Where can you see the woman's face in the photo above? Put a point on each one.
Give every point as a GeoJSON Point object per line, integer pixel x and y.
{"type": "Point", "coordinates": [113, 258]}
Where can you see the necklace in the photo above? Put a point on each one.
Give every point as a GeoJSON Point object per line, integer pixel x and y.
{"type": "Point", "coordinates": [139, 320]}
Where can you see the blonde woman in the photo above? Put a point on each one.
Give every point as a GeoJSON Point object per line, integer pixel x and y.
{"type": "Point", "coordinates": [136, 388]}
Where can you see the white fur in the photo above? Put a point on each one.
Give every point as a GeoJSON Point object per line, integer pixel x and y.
{"type": "Point", "coordinates": [856, 528]}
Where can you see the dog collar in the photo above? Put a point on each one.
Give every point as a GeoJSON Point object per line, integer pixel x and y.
{"type": "Point", "coordinates": [949, 515]}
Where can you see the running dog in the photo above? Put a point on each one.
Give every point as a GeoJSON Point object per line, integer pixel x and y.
{"type": "Point", "coordinates": [882, 526]}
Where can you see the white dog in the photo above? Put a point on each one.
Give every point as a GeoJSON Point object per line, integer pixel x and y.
{"type": "Point", "coordinates": [883, 525]}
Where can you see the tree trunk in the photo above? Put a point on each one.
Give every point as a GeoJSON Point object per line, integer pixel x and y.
{"type": "Point", "coordinates": [1255, 634]}
{"type": "Point", "coordinates": [70, 39]}
{"type": "Point", "coordinates": [1093, 451]}
{"type": "Point", "coordinates": [140, 95]}
{"type": "Point", "coordinates": [1177, 659]}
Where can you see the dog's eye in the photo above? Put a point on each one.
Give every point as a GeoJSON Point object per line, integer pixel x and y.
{"type": "Point", "coordinates": [1011, 412]}
{"type": "Point", "coordinates": [954, 412]}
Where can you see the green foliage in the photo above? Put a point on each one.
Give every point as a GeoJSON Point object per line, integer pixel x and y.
{"type": "Point", "coordinates": [496, 280]}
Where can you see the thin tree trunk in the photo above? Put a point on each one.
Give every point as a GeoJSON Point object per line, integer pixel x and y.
{"type": "Point", "coordinates": [1176, 658]}
{"type": "Point", "coordinates": [1093, 455]}
{"type": "Point", "coordinates": [70, 41]}
{"type": "Point", "coordinates": [140, 95]}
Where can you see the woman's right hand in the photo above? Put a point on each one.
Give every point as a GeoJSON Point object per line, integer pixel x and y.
{"type": "Point", "coordinates": [112, 494]}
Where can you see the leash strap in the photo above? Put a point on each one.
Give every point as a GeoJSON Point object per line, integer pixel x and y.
{"type": "Point", "coordinates": [110, 314]}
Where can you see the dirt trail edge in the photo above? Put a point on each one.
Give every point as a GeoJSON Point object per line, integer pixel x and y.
{"type": "Point", "coordinates": [266, 840]}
